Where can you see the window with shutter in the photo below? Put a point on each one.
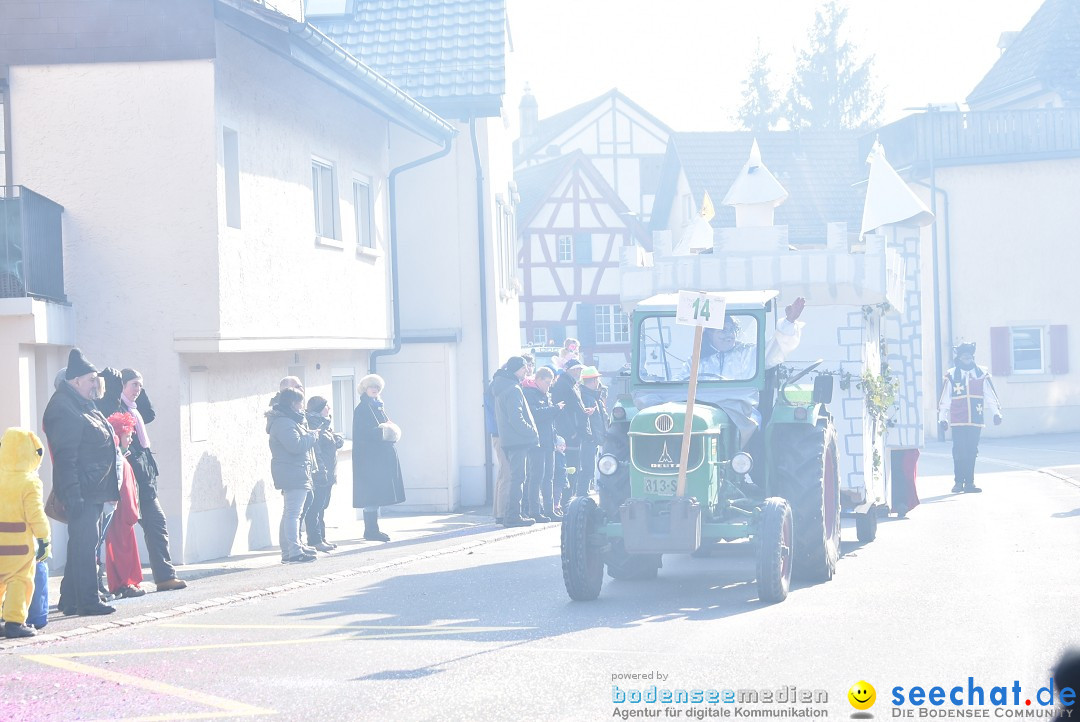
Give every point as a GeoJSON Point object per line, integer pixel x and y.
{"type": "Point", "coordinates": [1000, 352]}
{"type": "Point", "coordinates": [583, 247]}
{"type": "Point", "coordinates": [586, 325]}
{"type": "Point", "coordinates": [1059, 350]}
{"type": "Point", "coordinates": [1027, 350]}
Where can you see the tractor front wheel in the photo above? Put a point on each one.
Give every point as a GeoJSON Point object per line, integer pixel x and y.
{"type": "Point", "coordinates": [774, 552]}
{"type": "Point", "coordinates": [809, 478]}
{"type": "Point", "coordinates": [582, 558]}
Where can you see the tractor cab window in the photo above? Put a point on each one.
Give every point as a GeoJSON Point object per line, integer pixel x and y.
{"type": "Point", "coordinates": [727, 354]}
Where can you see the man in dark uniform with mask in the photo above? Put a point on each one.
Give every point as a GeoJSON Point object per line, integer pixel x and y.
{"type": "Point", "coordinates": [968, 396]}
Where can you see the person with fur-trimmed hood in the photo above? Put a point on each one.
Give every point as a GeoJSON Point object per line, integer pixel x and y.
{"type": "Point", "coordinates": [968, 396]}
{"type": "Point", "coordinates": [291, 464]}
{"type": "Point", "coordinates": [377, 479]}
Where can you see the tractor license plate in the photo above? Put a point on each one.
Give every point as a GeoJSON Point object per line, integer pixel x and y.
{"type": "Point", "coordinates": [661, 487]}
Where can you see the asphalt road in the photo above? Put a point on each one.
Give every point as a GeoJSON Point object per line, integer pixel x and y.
{"type": "Point", "coordinates": [480, 627]}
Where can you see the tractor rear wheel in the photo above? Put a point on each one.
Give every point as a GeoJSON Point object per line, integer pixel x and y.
{"type": "Point", "coordinates": [808, 476]}
{"type": "Point", "coordinates": [625, 566]}
{"type": "Point", "coordinates": [774, 551]}
{"type": "Point", "coordinates": [582, 559]}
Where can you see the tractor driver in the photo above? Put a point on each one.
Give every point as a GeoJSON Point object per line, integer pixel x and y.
{"type": "Point", "coordinates": [731, 359]}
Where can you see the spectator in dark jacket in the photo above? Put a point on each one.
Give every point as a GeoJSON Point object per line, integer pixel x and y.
{"type": "Point", "coordinates": [325, 476]}
{"type": "Point", "coordinates": [540, 466]}
{"type": "Point", "coordinates": [517, 433]}
{"type": "Point", "coordinates": [572, 422]}
{"type": "Point", "coordinates": [291, 463]}
{"type": "Point", "coordinates": [593, 396]}
{"type": "Point", "coordinates": [84, 477]}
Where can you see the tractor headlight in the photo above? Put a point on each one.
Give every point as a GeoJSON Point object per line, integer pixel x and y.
{"type": "Point", "coordinates": [742, 463]}
{"type": "Point", "coordinates": [607, 465]}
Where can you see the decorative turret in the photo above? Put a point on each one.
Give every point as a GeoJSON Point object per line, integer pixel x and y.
{"type": "Point", "coordinates": [755, 193]}
{"type": "Point", "coordinates": [889, 200]}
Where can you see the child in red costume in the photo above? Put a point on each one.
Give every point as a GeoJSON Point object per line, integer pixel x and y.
{"type": "Point", "coordinates": [122, 564]}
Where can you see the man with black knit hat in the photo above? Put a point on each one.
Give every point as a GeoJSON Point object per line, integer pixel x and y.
{"type": "Point", "coordinates": [517, 433]}
{"type": "Point", "coordinates": [967, 398]}
{"type": "Point", "coordinates": [84, 477]}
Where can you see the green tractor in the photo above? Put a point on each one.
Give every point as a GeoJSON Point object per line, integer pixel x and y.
{"type": "Point", "coordinates": [778, 485]}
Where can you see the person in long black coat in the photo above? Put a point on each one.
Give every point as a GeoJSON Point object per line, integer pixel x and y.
{"type": "Point", "coordinates": [572, 423]}
{"type": "Point", "coordinates": [377, 479]}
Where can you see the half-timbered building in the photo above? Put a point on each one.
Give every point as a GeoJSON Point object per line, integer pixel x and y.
{"type": "Point", "coordinates": [574, 229]}
{"type": "Point", "coordinates": [587, 178]}
{"type": "Point", "coordinates": [624, 141]}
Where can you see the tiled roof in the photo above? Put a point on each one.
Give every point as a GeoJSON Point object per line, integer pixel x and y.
{"type": "Point", "coordinates": [450, 54]}
{"type": "Point", "coordinates": [1046, 51]}
{"type": "Point", "coordinates": [818, 169]}
{"type": "Point", "coordinates": [549, 128]}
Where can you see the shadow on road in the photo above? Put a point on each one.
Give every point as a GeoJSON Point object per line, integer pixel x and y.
{"type": "Point", "coordinates": [510, 602]}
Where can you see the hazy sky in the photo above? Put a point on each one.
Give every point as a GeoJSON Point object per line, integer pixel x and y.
{"type": "Point", "coordinates": [684, 60]}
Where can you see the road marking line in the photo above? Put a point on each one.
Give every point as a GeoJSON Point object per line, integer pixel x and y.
{"type": "Point", "coordinates": [264, 643]}
{"type": "Point", "coordinates": [419, 627]}
{"type": "Point", "coordinates": [225, 706]}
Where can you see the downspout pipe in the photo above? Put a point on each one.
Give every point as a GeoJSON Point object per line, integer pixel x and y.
{"type": "Point", "coordinates": [935, 190]}
{"type": "Point", "coordinates": [485, 364]}
{"type": "Point", "coordinates": [374, 356]}
{"type": "Point", "coordinates": [5, 99]}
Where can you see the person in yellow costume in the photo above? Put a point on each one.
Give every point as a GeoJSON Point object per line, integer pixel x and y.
{"type": "Point", "coordinates": [24, 530]}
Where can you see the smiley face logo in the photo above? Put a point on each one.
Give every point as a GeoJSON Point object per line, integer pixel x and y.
{"type": "Point", "coordinates": [862, 695]}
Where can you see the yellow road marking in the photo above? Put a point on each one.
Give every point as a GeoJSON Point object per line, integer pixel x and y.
{"type": "Point", "coordinates": [264, 643]}
{"type": "Point", "coordinates": [225, 707]}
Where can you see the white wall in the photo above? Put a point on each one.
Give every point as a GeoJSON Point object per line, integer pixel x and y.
{"type": "Point", "coordinates": [440, 293]}
{"type": "Point", "coordinates": [276, 281]}
{"type": "Point", "coordinates": [1013, 252]}
{"type": "Point", "coordinates": [140, 215]}
{"type": "Point", "coordinates": [229, 501]}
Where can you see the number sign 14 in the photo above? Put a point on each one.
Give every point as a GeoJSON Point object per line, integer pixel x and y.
{"type": "Point", "coordinates": [697, 308]}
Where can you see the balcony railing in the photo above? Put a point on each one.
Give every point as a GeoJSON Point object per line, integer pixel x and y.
{"type": "Point", "coordinates": [968, 137]}
{"type": "Point", "coordinates": [31, 245]}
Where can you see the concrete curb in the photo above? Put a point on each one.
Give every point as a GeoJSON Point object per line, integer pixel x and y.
{"type": "Point", "coordinates": [218, 602]}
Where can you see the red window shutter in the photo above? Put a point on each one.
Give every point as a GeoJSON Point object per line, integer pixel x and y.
{"type": "Point", "coordinates": [1000, 351]}
{"type": "Point", "coordinates": [1059, 350]}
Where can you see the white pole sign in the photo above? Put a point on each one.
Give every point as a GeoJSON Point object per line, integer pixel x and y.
{"type": "Point", "coordinates": [702, 310]}
{"type": "Point", "coordinates": [697, 308]}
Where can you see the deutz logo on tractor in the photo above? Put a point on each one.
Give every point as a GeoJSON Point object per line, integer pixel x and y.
{"type": "Point", "coordinates": [665, 461]}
